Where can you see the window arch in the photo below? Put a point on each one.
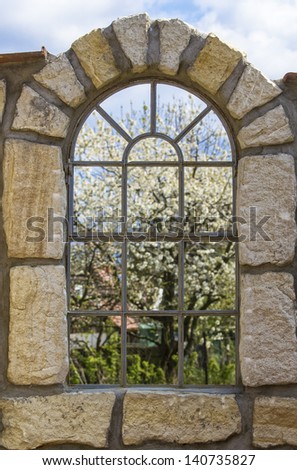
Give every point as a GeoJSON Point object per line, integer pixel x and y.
{"type": "Point", "coordinates": [152, 268]}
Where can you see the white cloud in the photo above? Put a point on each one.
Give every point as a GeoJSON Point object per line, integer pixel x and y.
{"type": "Point", "coordinates": [58, 23]}
{"type": "Point", "coordinates": [265, 29]}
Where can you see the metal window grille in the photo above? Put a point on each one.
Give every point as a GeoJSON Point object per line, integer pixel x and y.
{"type": "Point", "coordinates": [120, 334]}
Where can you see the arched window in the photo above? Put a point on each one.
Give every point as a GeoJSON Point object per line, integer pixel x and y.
{"type": "Point", "coordinates": [152, 271]}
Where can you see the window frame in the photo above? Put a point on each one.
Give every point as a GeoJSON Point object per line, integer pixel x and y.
{"type": "Point", "coordinates": [126, 237]}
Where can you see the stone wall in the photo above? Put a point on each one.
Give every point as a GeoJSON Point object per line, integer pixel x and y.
{"type": "Point", "coordinates": [41, 103]}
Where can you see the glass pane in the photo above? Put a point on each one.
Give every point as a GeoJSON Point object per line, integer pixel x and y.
{"type": "Point", "coordinates": [130, 108]}
{"type": "Point", "coordinates": [208, 199]}
{"type": "Point", "coordinates": [95, 276]}
{"type": "Point", "coordinates": [95, 350]}
{"type": "Point", "coordinates": [210, 280]}
{"type": "Point", "coordinates": [176, 108]}
{"type": "Point", "coordinates": [207, 141]}
{"type": "Point", "coordinates": [152, 276]}
{"type": "Point", "coordinates": [152, 195]}
{"type": "Point", "coordinates": [209, 350]}
{"type": "Point", "coordinates": [96, 199]}
{"type": "Point", "coordinates": [98, 141]}
{"type": "Point", "coordinates": [152, 351]}
{"type": "Point", "coordinates": [153, 149]}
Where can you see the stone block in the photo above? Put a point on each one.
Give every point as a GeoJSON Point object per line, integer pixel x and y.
{"type": "Point", "coordinates": [271, 129]}
{"type": "Point", "coordinates": [96, 58]}
{"type": "Point", "coordinates": [174, 37]}
{"type": "Point", "coordinates": [214, 64]}
{"type": "Point", "coordinates": [268, 345]}
{"type": "Point", "coordinates": [68, 418]}
{"type": "Point", "coordinates": [34, 113]}
{"type": "Point", "coordinates": [2, 98]}
{"type": "Point", "coordinates": [37, 343]}
{"type": "Point", "coordinates": [275, 422]}
{"type": "Point", "coordinates": [59, 76]}
{"type": "Point", "coordinates": [253, 90]}
{"type": "Point", "coordinates": [179, 418]}
{"type": "Point", "coordinates": [266, 204]}
{"type": "Point", "coordinates": [132, 34]}
{"type": "Point", "coordinates": [34, 183]}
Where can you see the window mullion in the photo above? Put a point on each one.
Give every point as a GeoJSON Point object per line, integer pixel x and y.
{"type": "Point", "coordinates": [192, 124]}
{"type": "Point", "coordinates": [70, 184]}
{"type": "Point", "coordinates": [113, 123]}
{"type": "Point", "coordinates": [237, 276]}
{"type": "Point", "coordinates": [124, 280]}
{"type": "Point", "coordinates": [153, 106]}
{"type": "Point", "coordinates": [181, 256]}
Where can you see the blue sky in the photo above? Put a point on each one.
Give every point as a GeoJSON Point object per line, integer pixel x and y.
{"type": "Point", "coordinates": [265, 29]}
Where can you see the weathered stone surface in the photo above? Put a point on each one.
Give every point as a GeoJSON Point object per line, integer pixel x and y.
{"type": "Point", "coordinates": [37, 344]}
{"type": "Point", "coordinates": [268, 345]}
{"type": "Point", "coordinates": [214, 64]}
{"type": "Point", "coordinates": [179, 418]}
{"type": "Point", "coordinates": [60, 78]}
{"type": "Point", "coordinates": [253, 90]}
{"type": "Point", "coordinates": [34, 183]}
{"type": "Point", "coordinates": [174, 38]}
{"type": "Point", "coordinates": [71, 418]}
{"type": "Point", "coordinates": [266, 203]}
{"type": "Point", "coordinates": [34, 113]}
{"type": "Point", "coordinates": [275, 422]}
{"type": "Point", "coordinates": [271, 129]}
{"type": "Point", "coordinates": [2, 98]}
{"type": "Point", "coordinates": [96, 58]}
{"type": "Point", "coordinates": [132, 33]}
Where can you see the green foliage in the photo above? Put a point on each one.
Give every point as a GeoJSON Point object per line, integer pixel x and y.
{"type": "Point", "coordinates": [210, 350]}
{"type": "Point", "coordinates": [143, 372]}
{"type": "Point", "coordinates": [95, 364]}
